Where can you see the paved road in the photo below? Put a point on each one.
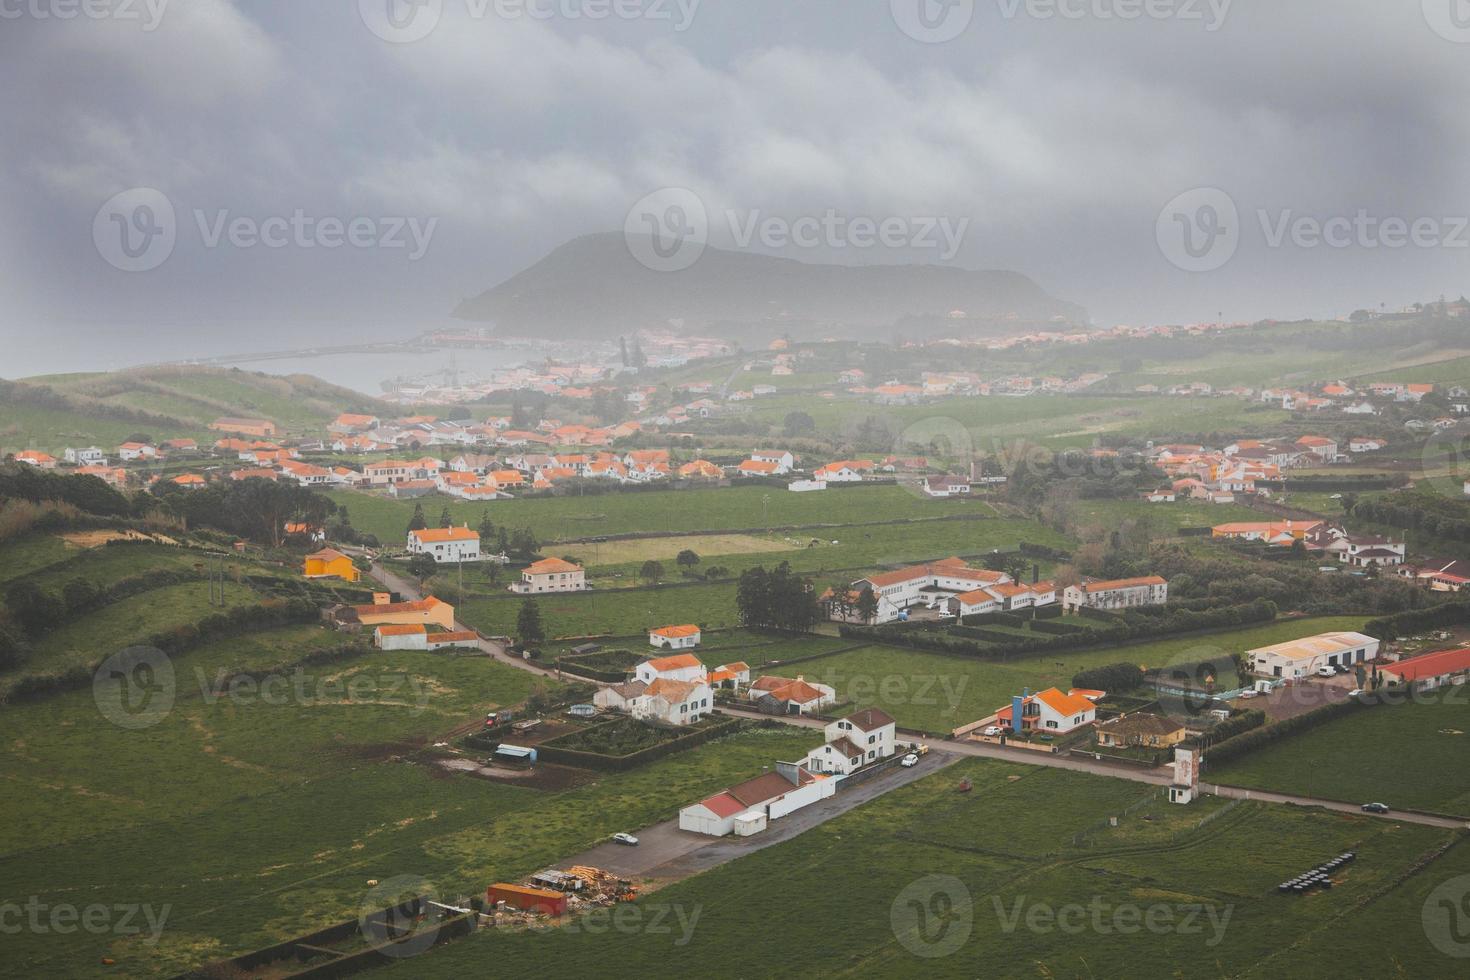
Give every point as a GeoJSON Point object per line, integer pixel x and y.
{"type": "Point", "coordinates": [1236, 793]}
{"type": "Point", "coordinates": [672, 849]}
{"type": "Point", "coordinates": [410, 590]}
{"type": "Point", "coordinates": [666, 852]}
{"type": "Point", "coordinates": [985, 750]}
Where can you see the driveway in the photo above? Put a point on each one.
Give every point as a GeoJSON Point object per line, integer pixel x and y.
{"type": "Point", "coordinates": [666, 853]}
{"type": "Point", "coordinates": [410, 590]}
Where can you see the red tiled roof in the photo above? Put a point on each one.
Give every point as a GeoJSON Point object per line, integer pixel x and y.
{"type": "Point", "coordinates": [724, 805]}
{"type": "Point", "coordinates": [677, 662]}
{"type": "Point", "coordinates": [1431, 665]}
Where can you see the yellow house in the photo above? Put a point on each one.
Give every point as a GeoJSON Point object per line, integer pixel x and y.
{"type": "Point", "coordinates": [329, 563]}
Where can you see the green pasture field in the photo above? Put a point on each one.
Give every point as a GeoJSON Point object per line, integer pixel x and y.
{"type": "Point", "coordinates": [619, 612]}
{"type": "Point", "coordinates": [948, 885]}
{"type": "Point", "coordinates": [858, 548]}
{"type": "Point", "coordinates": [661, 511]}
{"type": "Point", "coordinates": [26, 554]}
{"type": "Point", "coordinates": [1055, 421]}
{"type": "Point", "coordinates": [937, 693]}
{"type": "Point", "coordinates": [1414, 755]}
{"type": "Point", "coordinates": [256, 820]}
{"type": "Point", "coordinates": [1163, 520]}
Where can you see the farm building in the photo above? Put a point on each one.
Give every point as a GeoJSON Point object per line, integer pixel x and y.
{"type": "Point", "coordinates": [467, 639]}
{"type": "Point", "coordinates": [783, 696]}
{"type": "Point", "coordinates": [401, 637]}
{"type": "Point", "coordinates": [674, 637]}
{"type": "Point", "coordinates": [1432, 670]}
{"type": "Point", "coordinates": [428, 611]}
{"type": "Point", "coordinates": [1304, 657]}
{"type": "Point", "coordinates": [746, 808]}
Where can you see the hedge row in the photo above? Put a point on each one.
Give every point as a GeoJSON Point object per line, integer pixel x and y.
{"type": "Point", "coordinates": [1238, 725]}
{"type": "Point", "coordinates": [548, 752]}
{"type": "Point", "coordinates": [1418, 620]}
{"type": "Point", "coordinates": [1120, 630]}
{"type": "Point", "coordinates": [1256, 738]}
{"type": "Point", "coordinates": [1057, 629]}
{"type": "Point", "coordinates": [1112, 678]}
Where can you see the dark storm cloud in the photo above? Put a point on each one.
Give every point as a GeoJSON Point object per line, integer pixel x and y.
{"type": "Point", "coordinates": [1058, 136]}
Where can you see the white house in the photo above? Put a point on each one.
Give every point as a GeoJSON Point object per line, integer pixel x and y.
{"type": "Point", "coordinates": [1048, 711]}
{"type": "Point", "coordinates": [445, 544]}
{"type": "Point", "coordinates": [1122, 593]}
{"type": "Point", "coordinates": [843, 471]}
{"type": "Point", "coordinates": [551, 575]}
{"type": "Point", "coordinates": [679, 667]}
{"type": "Point", "coordinates": [734, 675]}
{"type": "Point", "coordinates": [1304, 657]}
{"type": "Point", "coordinates": [671, 702]}
{"type": "Point", "coordinates": [130, 451]}
{"type": "Point", "coordinates": [858, 740]}
{"type": "Point", "coordinates": [91, 456]}
{"type": "Point", "coordinates": [674, 637]}
{"type": "Point", "coordinates": [928, 585]}
{"type": "Point", "coordinates": [946, 486]}
{"type": "Point", "coordinates": [785, 462]}
{"type": "Point", "coordinates": [675, 702]}
{"type": "Point", "coordinates": [748, 807]}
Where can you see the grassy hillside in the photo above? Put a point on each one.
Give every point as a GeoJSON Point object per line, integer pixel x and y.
{"type": "Point", "coordinates": [53, 411]}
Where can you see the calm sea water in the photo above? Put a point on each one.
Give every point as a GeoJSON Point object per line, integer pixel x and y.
{"type": "Point", "coordinates": [57, 348]}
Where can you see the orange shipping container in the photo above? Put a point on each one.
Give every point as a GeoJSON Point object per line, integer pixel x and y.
{"type": "Point", "coordinates": [528, 899]}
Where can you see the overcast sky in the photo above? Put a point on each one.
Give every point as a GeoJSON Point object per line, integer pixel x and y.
{"type": "Point", "coordinates": [499, 135]}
